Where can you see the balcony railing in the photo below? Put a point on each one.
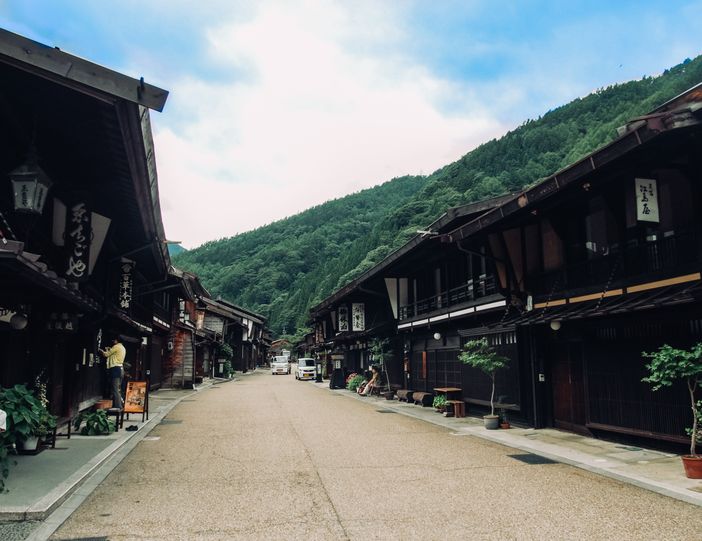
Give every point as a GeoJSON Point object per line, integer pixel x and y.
{"type": "Point", "coordinates": [466, 292]}
{"type": "Point", "coordinates": [638, 257]}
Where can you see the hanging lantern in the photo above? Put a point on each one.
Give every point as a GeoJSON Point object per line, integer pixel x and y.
{"type": "Point", "coordinates": [30, 186]}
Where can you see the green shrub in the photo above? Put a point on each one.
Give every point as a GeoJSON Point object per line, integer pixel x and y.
{"type": "Point", "coordinates": [26, 416]}
{"type": "Point", "coordinates": [355, 382]}
{"type": "Point", "coordinates": [669, 365]}
{"type": "Point", "coordinates": [439, 401]}
{"type": "Point", "coordinates": [96, 423]}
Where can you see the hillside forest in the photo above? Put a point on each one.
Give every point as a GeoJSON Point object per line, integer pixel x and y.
{"type": "Point", "coordinates": [282, 269]}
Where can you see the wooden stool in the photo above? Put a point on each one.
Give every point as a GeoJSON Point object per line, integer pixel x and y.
{"type": "Point", "coordinates": [459, 407]}
{"type": "Point", "coordinates": [117, 414]}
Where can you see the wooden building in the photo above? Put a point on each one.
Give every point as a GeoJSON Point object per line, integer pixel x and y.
{"type": "Point", "coordinates": [600, 262]}
{"type": "Point", "coordinates": [201, 325]}
{"type": "Point", "coordinates": [252, 342]}
{"type": "Point", "coordinates": [415, 290]}
{"type": "Point", "coordinates": [571, 279]}
{"type": "Point", "coordinates": [81, 239]}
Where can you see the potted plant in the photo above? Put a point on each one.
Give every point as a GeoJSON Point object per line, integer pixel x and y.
{"type": "Point", "coordinates": [504, 420]}
{"type": "Point", "coordinates": [96, 423]}
{"type": "Point", "coordinates": [440, 403]}
{"type": "Point", "coordinates": [479, 354]}
{"type": "Point", "coordinates": [380, 353]}
{"type": "Point", "coordinates": [27, 418]}
{"type": "Point", "coordinates": [668, 365]}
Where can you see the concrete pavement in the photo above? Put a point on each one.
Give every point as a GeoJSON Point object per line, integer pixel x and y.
{"type": "Point", "coordinates": [271, 458]}
{"type": "Point", "coordinates": [654, 470]}
{"type": "Point", "coordinates": [38, 485]}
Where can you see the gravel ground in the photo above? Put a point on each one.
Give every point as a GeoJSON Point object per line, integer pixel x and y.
{"type": "Point", "coordinates": [268, 457]}
{"type": "Point", "coordinates": [16, 531]}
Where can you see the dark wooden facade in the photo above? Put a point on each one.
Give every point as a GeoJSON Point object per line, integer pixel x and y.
{"type": "Point", "coordinates": [606, 280]}
{"type": "Point", "coordinates": [571, 279]}
{"type": "Point", "coordinates": [88, 129]}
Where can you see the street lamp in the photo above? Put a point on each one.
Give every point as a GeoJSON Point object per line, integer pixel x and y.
{"type": "Point", "coordinates": [30, 185]}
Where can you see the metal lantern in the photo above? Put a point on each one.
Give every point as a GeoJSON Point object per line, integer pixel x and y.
{"type": "Point", "coordinates": [30, 186]}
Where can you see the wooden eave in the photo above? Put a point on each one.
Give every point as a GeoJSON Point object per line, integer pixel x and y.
{"type": "Point", "coordinates": [639, 133]}
{"type": "Point", "coordinates": [445, 221]}
{"type": "Point", "coordinates": [216, 307]}
{"type": "Point", "coordinates": [77, 73]}
{"type": "Point", "coordinates": [88, 142]}
{"type": "Point", "coordinates": [243, 312]}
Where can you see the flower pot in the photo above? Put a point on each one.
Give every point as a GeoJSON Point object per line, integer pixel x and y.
{"type": "Point", "coordinates": [103, 404]}
{"type": "Point", "coordinates": [492, 422]}
{"type": "Point", "coordinates": [693, 466]}
{"type": "Point", "coordinates": [28, 445]}
{"type": "Point", "coordinates": [504, 425]}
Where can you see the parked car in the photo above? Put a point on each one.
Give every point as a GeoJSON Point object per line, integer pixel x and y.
{"type": "Point", "coordinates": [280, 365]}
{"type": "Point", "coordinates": [306, 368]}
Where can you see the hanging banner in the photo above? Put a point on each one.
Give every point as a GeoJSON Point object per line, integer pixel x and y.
{"type": "Point", "coordinates": [77, 241]}
{"type": "Point", "coordinates": [343, 318]}
{"type": "Point", "coordinates": [358, 317]}
{"type": "Point", "coordinates": [646, 200]}
{"type": "Point", "coordinates": [125, 284]}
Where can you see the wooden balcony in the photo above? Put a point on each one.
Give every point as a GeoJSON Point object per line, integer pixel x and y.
{"type": "Point", "coordinates": [656, 256]}
{"type": "Point", "coordinates": [467, 292]}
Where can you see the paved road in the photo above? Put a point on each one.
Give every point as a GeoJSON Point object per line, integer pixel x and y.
{"type": "Point", "coordinates": [268, 457]}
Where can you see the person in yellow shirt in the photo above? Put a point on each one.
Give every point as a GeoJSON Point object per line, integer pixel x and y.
{"type": "Point", "coordinates": [115, 366]}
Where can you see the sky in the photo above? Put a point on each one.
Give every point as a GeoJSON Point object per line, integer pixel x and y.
{"type": "Point", "coordinates": [277, 106]}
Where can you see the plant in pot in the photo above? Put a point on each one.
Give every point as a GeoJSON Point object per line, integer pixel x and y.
{"type": "Point", "coordinates": [504, 420]}
{"type": "Point", "coordinates": [96, 423]}
{"type": "Point", "coordinates": [380, 352]}
{"type": "Point", "coordinates": [479, 354]}
{"type": "Point", "coordinates": [27, 418]}
{"type": "Point", "coordinates": [669, 365]}
{"type": "Point", "coordinates": [440, 403]}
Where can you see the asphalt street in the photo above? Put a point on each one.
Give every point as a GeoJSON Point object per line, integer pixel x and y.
{"type": "Point", "coordinates": [269, 457]}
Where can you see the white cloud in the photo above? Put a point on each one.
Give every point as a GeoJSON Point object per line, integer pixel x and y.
{"type": "Point", "coordinates": [313, 118]}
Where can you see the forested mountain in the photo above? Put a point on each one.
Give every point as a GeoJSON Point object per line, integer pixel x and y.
{"type": "Point", "coordinates": [282, 269]}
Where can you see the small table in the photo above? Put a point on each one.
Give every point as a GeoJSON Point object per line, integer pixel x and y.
{"type": "Point", "coordinates": [448, 391]}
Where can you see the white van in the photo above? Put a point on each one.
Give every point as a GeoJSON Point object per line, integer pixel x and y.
{"type": "Point", "coordinates": [306, 368]}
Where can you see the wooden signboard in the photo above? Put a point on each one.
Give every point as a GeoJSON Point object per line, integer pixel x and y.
{"type": "Point", "coordinates": [137, 398]}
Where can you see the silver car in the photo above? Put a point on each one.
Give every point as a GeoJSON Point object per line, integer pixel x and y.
{"type": "Point", "coordinates": [280, 365]}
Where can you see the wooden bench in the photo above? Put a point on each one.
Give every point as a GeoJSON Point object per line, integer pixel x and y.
{"type": "Point", "coordinates": [404, 395]}
{"type": "Point", "coordinates": [422, 399]}
{"type": "Point", "coordinates": [498, 405]}
{"type": "Point", "coordinates": [60, 423]}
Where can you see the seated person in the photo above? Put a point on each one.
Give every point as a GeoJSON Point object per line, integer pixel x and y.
{"type": "Point", "coordinates": [374, 382]}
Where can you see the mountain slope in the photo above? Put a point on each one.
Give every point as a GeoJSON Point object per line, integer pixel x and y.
{"type": "Point", "coordinates": [280, 270]}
